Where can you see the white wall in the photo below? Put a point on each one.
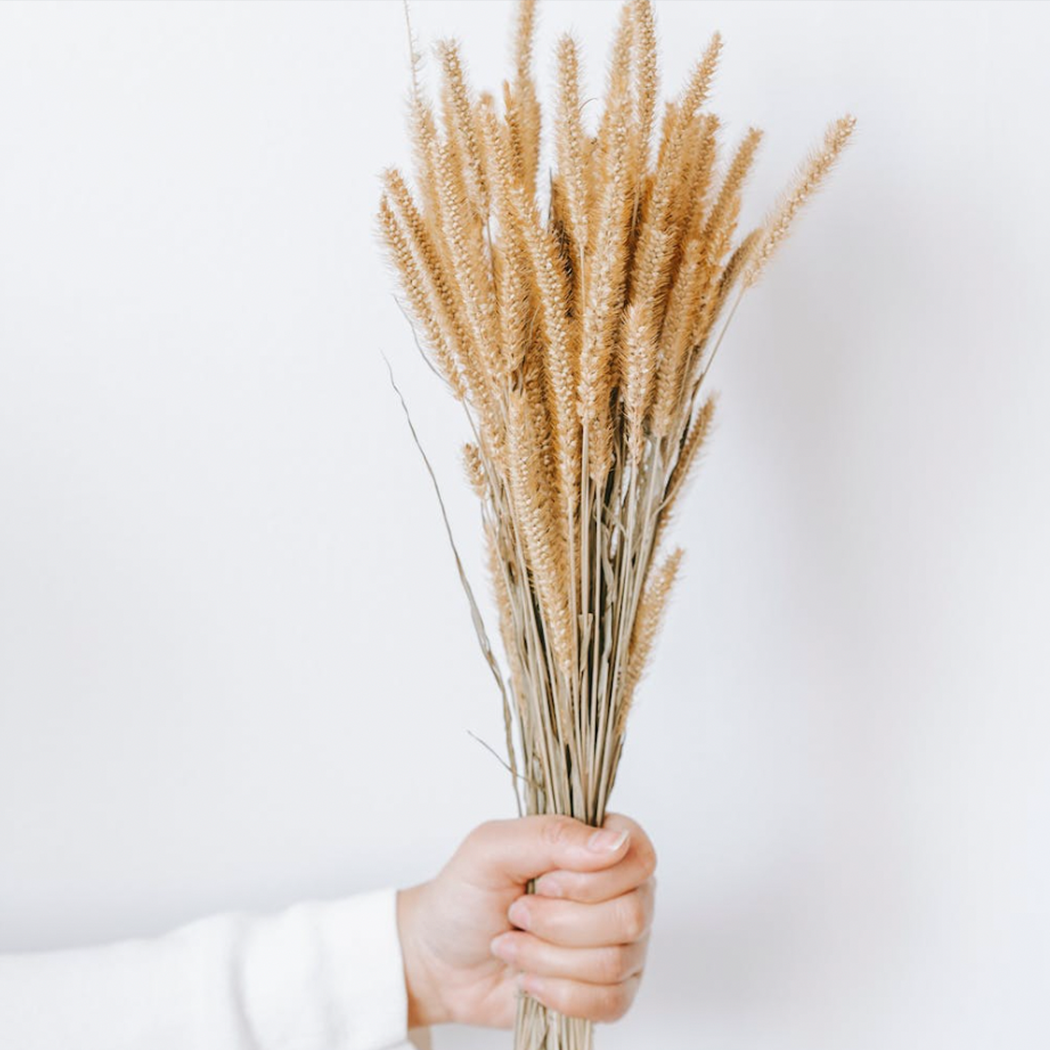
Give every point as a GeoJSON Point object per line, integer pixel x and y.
{"type": "Point", "coordinates": [236, 668]}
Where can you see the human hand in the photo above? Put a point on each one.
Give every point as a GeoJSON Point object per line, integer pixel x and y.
{"type": "Point", "coordinates": [471, 936]}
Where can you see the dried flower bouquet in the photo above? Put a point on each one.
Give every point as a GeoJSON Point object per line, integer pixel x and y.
{"type": "Point", "coordinates": [575, 317]}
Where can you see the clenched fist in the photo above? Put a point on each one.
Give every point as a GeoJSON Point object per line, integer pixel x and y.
{"type": "Point", "coordinates": [471, 936]}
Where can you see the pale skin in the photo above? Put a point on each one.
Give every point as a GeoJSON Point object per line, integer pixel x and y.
{"type": "Point", "coordinates": [472, 938]}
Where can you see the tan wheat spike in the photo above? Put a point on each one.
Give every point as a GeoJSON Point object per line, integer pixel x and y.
{"type": "Point", "coordinates": [689, 212]}
{"type": "Point", "coordinates": [526, 104]}
{"type": "Point", "coordinates": [604, 303]}
{"type": "Point", "coordinates": [533, 384]}
{"type": "Point", "coordinates": [512, 119]}
{"type": "Point", "coordinates": [608, 154]}
{"type": "Point", "coordinates": [717, 249]}
{"type": "Point", "coordinates": [535, 520]}
{"type": "Point", "coordinates": [569, 147]}
{"type": "Point", "coordinates": [735, 267]}
{"type": "Point", "coordinates": [463, 124]}
{"type": "Point", "coordinates": [679, 115]}
{"type": "Point", "coordinates": [448, 309]}
{"type": "Point", "coordinates": [674, 382]}
{"type": "Point", "coordinates": [647, 78]}
{"type": "Point", "coordinates": [422, 130]}
{"type": "Point", "coordinates": [727, 280]}
{"type": "Point", "coordinates": [699, 86]}
{"type": "Point", "coordinates": [673, 340]}
{"type": "Point", "coordinates": [423, 135]}
{"type": "Point", "coordinates": [524, 38]}
{"type": "Point", "coordinates": [718, 242]}
{"type": "Point", "coordinates": [672, 193]}
{"type": "Point", "coordinates": [618, 99]}
{"type": "Point", "coordinates": [426, 145]}
{"type": "Point", "coordinates": [659, 202]}
{"type": "Point", "coordinates": [469, 285]}
{"type": "Point", "coordinates": [462, 237]}
{"type": "Point", "coordinates": [510, 260]}
{"type": "Point", "coordinates": [561, 363]}
{"type": "Point", "coordinates": [675, 362]}
{"type": "Point", "coordinates": [637, 375]}
{"type": "Point", "coordinates": [692, 201]}
{"type": "Point", "coordinates": [633, 74]}
{"type": "Point", "coordinates": [450, 143]}
{"type": "Point", "coordinates": [811, 174]}
{"type": "Point", "coordinates": [557, 218]}
{"type": "Point", "coordinates": [657, 242]}
{"type": "Point", "coordinates": [732, 184]}
{"type": "Point", "coordinates": [693, 289]}
{"type": "Point", "coordinates": [419, 295]}
{"type": "Point", "coordinates": [647, 626]}
{"type": "Point", "coordinates": [687, 456]}
{"type": "Point", "coordinates": [475, 470]}
{"type": "Point", "coordinates": [667, 131]}
{"type": "Point", "coordinates": [695, 431]}
{"type": "Point", "coordinates": [652, 272]}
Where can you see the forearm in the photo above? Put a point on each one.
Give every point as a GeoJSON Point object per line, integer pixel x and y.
{"type": "Point", "coordinates": [318, 976]}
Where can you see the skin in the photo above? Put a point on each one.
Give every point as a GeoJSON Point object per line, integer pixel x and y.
{"type": "Point", "coordinates": [472, 938]}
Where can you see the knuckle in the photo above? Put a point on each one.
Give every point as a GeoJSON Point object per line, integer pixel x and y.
{"type": "Point", "coordinates": [633, 917]}
{"type": "Point", "coordinates": [614, 965]}
{"type": "Point", "coordinates": [556, 923]}
{"type": "Point", "coordinates": [578, 1000]}
{"type": "Point", "coordinates": [482, 831]}
{"type": "Point", "coordinates": [473, 840]}
{"type": "Point", "coordinates": [524, 952]}
{"type": "Point", "coordinates": [478, 841]}
{"type": "Point", "coordinates": [646, 858]}
{"type": "Point", "coordinates": [576, 886]}
{"type": "Point", "coordinates": [613, 1002]}
{"type": "Point", "coordinates": [557, 829]}
{"type": "Point", "coordinates": [574, 1001]}
{"type": "Point", "coordinates": [648, 895]}
{"type": "Point", "coordinates": [582, 887]}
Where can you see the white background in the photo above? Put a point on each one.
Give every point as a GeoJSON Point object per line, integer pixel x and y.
{"type": "Point", "coordinates": [236, 668]}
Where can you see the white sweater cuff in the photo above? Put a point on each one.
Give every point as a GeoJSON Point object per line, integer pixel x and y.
{"type": "Point", "coordinates": [329, 975]}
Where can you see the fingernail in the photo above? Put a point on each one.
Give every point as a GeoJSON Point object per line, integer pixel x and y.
{"type": "Point", "coordinates": [549, 886]}
{"type": "Point", "coordinates": [518, 913]}
{"type": "Point", "coordinates": [503, 947]}
{"type": "Point", "coordinates": [606, 840]}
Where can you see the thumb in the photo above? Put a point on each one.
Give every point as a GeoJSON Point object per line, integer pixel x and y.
{"type": "Point", "coordinates": [521, 849]}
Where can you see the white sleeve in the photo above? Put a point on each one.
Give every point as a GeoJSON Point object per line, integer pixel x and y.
{"type": "Point", "coordinates": [318, 976]}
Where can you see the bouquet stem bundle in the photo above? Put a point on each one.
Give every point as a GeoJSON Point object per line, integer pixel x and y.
{"type": "Point", "coordinates": [575, 317]}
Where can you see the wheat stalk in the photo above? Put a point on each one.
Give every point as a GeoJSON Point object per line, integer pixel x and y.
{"type": "Point", "coordinates": [575, 318]}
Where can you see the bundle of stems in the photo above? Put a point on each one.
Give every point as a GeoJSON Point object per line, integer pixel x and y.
{"type": "Point", "coordinates": [575, 316]}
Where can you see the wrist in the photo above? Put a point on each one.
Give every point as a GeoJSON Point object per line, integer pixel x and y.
{"type": "Point", "coordinates": [423, 990]}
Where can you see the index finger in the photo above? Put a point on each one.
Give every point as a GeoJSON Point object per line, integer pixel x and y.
{"type": "Point", "coordinates": [637, 865]}
{"type": "Point", "coordinates": [502, 852]}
